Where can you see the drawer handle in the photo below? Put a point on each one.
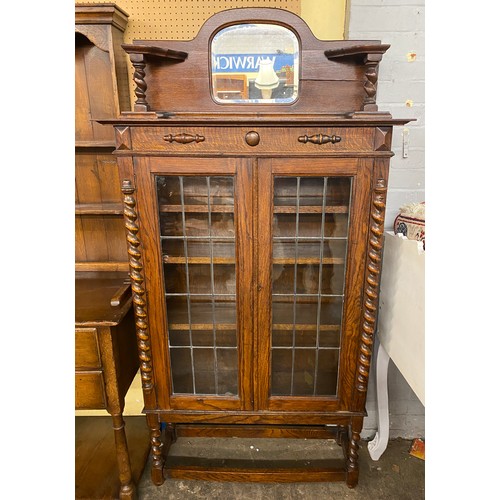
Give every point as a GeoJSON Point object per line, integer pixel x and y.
{"type": "Point", "coordinates": [319, 139]}
{"type": "Point", "coordinates": [184, 138]}
{"type": "Point", "coordinates": [252, 138]}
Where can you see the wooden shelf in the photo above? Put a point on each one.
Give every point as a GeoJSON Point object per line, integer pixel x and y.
{"type": "Point", "coordinates": [202, 326]}
{"type": "Point", "coordinates": [304, 326]}
{"type": "Point", "coordinates": [197, 208]}
{"type": "Point", "coordinates": [105, 266]}
{"type": "Point", "coordinates": [167, 259]}
{"type": "Point", "coordinates": [313, 209]}
{"type": "Point", "coordinates": [154, 51]}
{"type": "Point", "coordinates": [275, 326]}
{"type": "Point", "coordinates": [99, 209]}
{"type": "Point", "coordinates": [359, 51]}
{"type": "Point", "coordinates": [95, 145]}
{"type": "Point", "coordinates": [306, 260]}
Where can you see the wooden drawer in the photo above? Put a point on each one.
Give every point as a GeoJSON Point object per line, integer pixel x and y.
{"type": "Point", "coordinates": [89, 390]}
{"type": "Point", "coordinates": [277, 140]}
{"type": "Point", "coordinates": [86, 349]}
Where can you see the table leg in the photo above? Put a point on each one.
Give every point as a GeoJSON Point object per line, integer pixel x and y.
{"type": "Point", "coordinates": [377, 446]}
{"type": "Point", "coordinates": [127, 486]}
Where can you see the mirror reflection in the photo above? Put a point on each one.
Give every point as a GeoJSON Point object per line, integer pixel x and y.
{"type": "Point", "coordinates": [255, 63]}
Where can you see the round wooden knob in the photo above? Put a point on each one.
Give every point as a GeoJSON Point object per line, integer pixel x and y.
{"type": "Point", "coordinates": [252, 138]}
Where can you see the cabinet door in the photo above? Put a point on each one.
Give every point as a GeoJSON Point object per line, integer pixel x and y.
{"type": "Point", "coordinates": [195, 217]}
{"type": "Point", "coordinates": [311, 246]}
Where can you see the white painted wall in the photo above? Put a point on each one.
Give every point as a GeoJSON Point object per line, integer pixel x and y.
{"type": "Point", "coordinates": [401, 24]}
{"type": "Point", "coordinates": [401, 80]}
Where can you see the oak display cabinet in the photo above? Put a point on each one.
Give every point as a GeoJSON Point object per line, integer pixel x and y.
{"type": "Point", "coordinates": [254, 225]}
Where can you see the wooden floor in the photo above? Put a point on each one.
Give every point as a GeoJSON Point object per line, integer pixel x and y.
{"type": "Point", "coordinates": [96, 471]}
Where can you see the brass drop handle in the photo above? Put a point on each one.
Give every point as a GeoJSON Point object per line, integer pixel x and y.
{"type": "Point", "coordinates": [319, 139]}
{"type": "Point", "coordinates": [184, 138]}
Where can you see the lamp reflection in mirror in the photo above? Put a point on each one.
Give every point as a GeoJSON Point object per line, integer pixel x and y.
{"type": "Point", "coordinates": [267, 79]}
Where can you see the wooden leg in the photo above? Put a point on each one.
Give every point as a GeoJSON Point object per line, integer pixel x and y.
{"type": "Point", "coordinates": [379, 443]}
{"type": "Point", "coordinates": [341, 437]}
{"type": "Point", "coordinates": [156, 449]}
{"type": "Point", "coordinates": [171, 430]}
{"type": "Point", "coordinates": [352, 452]}
{"type": "Point", "coordinates": [170, 438]}
{"type": "Point", "coordinates": [127, 486]}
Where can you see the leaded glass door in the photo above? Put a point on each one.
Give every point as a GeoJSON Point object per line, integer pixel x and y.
{"type": "Point", "coordinates": [309, 281]}
{"type": "Point", "coordinates": [253, 272]}
{"type": "Point", "coordinates": [200, 233]}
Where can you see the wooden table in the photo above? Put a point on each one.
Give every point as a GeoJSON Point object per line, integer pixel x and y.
{"type": "Point", "coordinates": [400, 335]}
{"type": "Point", "coordinates": [106, 362]}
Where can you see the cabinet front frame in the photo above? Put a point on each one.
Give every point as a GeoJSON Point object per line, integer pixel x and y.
{"type": "Point", "coordinates": [253, 198]}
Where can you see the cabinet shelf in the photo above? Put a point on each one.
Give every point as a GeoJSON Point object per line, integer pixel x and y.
{"type": "Point", "coordinates": [99, 209]}
{"type": "Point", "coordinates": [310, 209]}
{"type": "Point", "coordinates": [276, 326]}
{"type": "Point", "coordinates": [306, 299]}
{"type": "Point", "coordinates": [167, 259]}
{"type": "Point", "coordinates": [313, 260]}
{"type": "Point", "coordinates": [202, 326]}
{"type": "Point", "coordinates": [305, 326]}
{"type": "Point", "coordinates": [280, 209]}
{"type": "Point", "coordinates": [197, 208]}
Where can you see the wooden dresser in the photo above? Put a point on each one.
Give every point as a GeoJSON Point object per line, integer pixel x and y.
{"type": "Point", "coordinates": [106, 357]}
{"type": "Point", "coordinates": [254, 170]}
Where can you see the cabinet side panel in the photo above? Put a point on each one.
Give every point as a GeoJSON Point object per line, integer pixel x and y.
{"type": "Point", "coordinates": [98, 70]}
{"type": "Point", "coordinates": [121, 69]}
{"type": "Point", "coordinates": [127, 352]}
{"type": "Point", "coordinates": [371, 280]}
{"type": "Point", "coordinates": [139, 295]}
{"type": "Point", "coordinates": [354, 281]}
{"type": "Point", "coordinates": [83, 127]}
{"type": "Point", "coordinates": [157, 321]}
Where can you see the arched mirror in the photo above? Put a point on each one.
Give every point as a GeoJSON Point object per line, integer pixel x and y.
{"type": "Point", "coordinates": [255, 63]}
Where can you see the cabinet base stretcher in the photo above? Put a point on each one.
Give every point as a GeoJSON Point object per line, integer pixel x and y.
{"type": "Point", "coordinates": [275, 471]}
